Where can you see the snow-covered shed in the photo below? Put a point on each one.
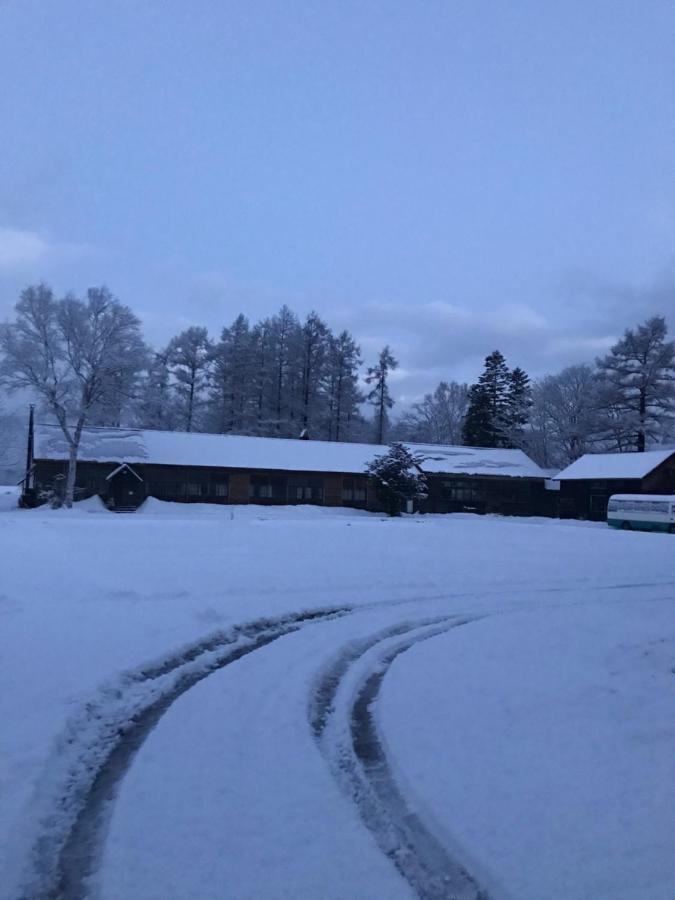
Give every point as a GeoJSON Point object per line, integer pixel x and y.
{"type": "Point", "coordinates": [587, 484]}
{"type": "Point", "coordinates": [124, 465]}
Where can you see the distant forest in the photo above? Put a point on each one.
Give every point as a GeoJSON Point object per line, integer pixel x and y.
{"type": "Point", "coordinates": [84, 360]}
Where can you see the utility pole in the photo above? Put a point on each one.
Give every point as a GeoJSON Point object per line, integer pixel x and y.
{"type": "Point", "coordinates": [28, 481]}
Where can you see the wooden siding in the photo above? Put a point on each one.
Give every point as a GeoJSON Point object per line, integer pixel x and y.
{"type": "Point", "coordinates": [447, 493]}
{"type": "Point", "coordinates": [488, 494]}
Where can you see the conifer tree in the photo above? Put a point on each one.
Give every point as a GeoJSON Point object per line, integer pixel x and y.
{"type": "Point", "coordinates": [156, 407]}
{"type": "Point", "coordinates": [517, 412]}
{"type": "Point", "coordinates": [189, 360]}
{"type": "Point", "coordinates": [231, 387]}
{"type": "Point", "coordinates": [488, 404]}
{"type": "Point", "coordinates": [378, 376]}
{"type": "Point", "coordinates": [398, 478]}
{"type": "Point", "coordinates": [342, 386]}
{"type": "Point", "coordinates": [637, 379]}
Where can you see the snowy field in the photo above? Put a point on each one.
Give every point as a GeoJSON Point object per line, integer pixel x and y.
{"type": "Point", "coordinates": [263, 703]}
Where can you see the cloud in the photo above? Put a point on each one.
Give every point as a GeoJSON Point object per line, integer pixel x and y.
{"type": "Point", "coordinates": [22, 249]}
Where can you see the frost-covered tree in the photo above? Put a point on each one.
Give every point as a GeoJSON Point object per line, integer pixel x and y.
{"type": "Point", "coordinates": [438, 418]}
{"type": "Point", "coordinates": [12, 445]}
{"type": "Point", "coordinates": [313, 347]}
{"type": "Point", "coordinates": [75, 355]}
{"type": "Point", "coordinates": [398, 478]}
{"type": "Point", "coordinates": [262, 377]}
{"type": "Point", "coordinates": [342, 386]}
{"type": "Point", "coordinates": [637, 381]}
{"type": "Point", "coordinates": [189, 356]}
{"type": "Point", "coordinates": [564, 417]}
{"type": "Point", "coordinates": [157, 406]}
{"type": "Point", "coordinates": [232, 388]}
{"type": "Point", "coordinates": [379, 396]}
{"type": "Point", "coordinates": [285, 376]}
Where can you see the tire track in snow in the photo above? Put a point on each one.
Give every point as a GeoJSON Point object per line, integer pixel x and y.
{"type": "Point", "coordinates": [100, 744]}
{"type": "Point", "coordinates": [358, 759]}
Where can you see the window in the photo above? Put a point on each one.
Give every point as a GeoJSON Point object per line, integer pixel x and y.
{"type": "Point", "coordinates": [461, 491]}
{"type": "Point", "coordinates": [194, 489]}
{"type": "Point", "coordinates": [305, 489]}
{"type": "Point", "coordinates": [267, 487]}
{"type": "Point", "coordinates": [167, 489]}
{"type": "Point", "coordinates": [220, 489]}
{"type": "Point", "coordinates": [353, 490]}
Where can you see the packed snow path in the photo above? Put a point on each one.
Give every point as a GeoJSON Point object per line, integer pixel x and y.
{"type": "Point", "coordinates": [355, 750]}
{"type": "Point", "coordinates": [111, 729]}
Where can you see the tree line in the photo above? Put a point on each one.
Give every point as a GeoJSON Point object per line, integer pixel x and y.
{"type": "Point", "coordinates": [86, 360]}
{"type": "Point", "coordinates": [623, 402]}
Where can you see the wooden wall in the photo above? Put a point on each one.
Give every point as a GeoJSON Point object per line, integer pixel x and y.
{"type": "Point", "coordinates": [447, 493]}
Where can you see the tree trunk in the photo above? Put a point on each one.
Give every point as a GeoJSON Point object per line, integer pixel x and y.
{"type": "Point", "coordinates": [643, 413]}
{"type": "Point", "coordinates": [74, 446]}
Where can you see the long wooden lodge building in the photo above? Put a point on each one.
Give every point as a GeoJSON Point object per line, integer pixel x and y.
{"type": "Point", "coordinates": [125, 465]}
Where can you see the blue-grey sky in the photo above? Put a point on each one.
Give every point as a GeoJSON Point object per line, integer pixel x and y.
{"type": "Point", "coordinates": [448, 177]}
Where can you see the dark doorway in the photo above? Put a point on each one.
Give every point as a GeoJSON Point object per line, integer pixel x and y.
{"type": "Point", "coordinates": [598, 507]}
{"type": "Point", "coordinates": [127, 489]}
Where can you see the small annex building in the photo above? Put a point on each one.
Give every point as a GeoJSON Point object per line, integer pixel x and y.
{"type": "Point", "coordinates": [587, 484]}
{"type": "Point", "coordinates": [126, 465]}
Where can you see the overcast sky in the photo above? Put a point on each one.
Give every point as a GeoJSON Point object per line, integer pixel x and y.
{"type": "Point", "coordinates": [449, 177]}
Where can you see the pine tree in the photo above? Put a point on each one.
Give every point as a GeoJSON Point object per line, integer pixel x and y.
{"type": "Point", "coordinates": [398, 478]}
{"type": "Point", "coordinates": [488, 404]}
{"type": "Point", "coordinates": [517, 412]}
{"type": "Point", "coordinates": [378, 376]}
{"type": "Point", "coordinates": [637, 379]}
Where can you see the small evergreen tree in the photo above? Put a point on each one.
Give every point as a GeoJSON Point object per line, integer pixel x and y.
{"type": "Point", "coordinates": [398, 478]}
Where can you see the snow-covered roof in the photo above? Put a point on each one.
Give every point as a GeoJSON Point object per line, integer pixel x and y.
{"type": "Point", "coordinates": [178, 448]}
{"type": "Point", "coordinates": [614, 465]}
{"type": "Point", "coordinates": [642, 497]}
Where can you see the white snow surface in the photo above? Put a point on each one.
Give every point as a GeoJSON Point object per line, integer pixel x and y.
{"type": "Point", "coordinates": [9, 497]}
{"type": "Point", "coordinates": [614, 465]}
{"type": "Point", "coordinates": [537, 740]}
{"type": "Point", "coordinates": [175, 448]}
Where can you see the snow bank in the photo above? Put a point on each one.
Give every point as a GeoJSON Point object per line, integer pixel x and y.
{"type": "Point", "coordinates": [248, 511]}
{"type": "Point", "coordinates": [9, 497]}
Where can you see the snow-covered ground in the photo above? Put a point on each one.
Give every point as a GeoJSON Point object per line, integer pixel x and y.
{"type": "Point", "coordinates": [9, 497]}
{"type": "Point", "coordinates": [511, 680]}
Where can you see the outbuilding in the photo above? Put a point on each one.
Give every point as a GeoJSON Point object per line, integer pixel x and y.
{"type": "Point", "coordinates": [587, 484]}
